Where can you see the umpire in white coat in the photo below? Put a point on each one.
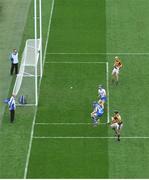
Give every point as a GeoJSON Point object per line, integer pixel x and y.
{"type": "Point", "coordinates": [14, 62]}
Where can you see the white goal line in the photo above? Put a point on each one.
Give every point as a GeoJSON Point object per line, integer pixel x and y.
{"type": "Point", "coordinates": [34, 119]}
{"type": "Point", "coordinates": [87, 137]}
{"type": "Point", "coordinates": [66, 123]}
{"type": "Point", "coordinates": [87, 53]}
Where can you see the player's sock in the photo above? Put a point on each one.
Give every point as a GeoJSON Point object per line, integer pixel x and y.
{"type": "Point", "coordinates": [116, 82]}
{"type": "Point", "coordinates": [98, 120]}
{"type": "Point", "coordinates": [115, 132]}
{"type": "Point", "coordinates": [112, 81]}
{"type": "Point", "coordinates": [94, 121]}
{"type": "Point", "coordinates": [118, 137]}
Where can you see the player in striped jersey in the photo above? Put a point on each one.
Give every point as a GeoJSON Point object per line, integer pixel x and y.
{"type": "Point", "coordinates": [116, 124]}
{"type": "Point", "coordinates": [116, 69]}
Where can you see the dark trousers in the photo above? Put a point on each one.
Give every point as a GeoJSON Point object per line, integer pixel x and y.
{"type": "Point", "coordinates": [14, 66]}
{"type": "Point", "coordinates": [12, 115]}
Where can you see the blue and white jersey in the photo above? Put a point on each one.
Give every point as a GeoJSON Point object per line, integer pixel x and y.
{"type": "Point", "coordinates": [12, 104]}
{"type": "Point", "coordinates": [99, 110]}
{"type": "Point", "coordinates": [102, 94]}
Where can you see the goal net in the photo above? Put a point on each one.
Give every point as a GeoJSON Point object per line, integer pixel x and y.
{"type": "Point", "coordinates": [27, 80]}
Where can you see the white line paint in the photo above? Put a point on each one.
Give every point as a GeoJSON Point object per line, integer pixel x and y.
{"type": "Point", "coordinates": [66, 123]}
{"type": "Point", "coordinates": [34, 119]}
{"type": "Point", "coordinates": [87, 137]}
{"type": "Point", "coordinates": [108, 102]}
{"type": "Point", "coordinates": [48, 33]}
{"type": "Point", "coordinates": [30, 145]}
{"type": "Point", "coordinates": [110, 53]}
{"type": "Point", "coordinates": [73, 62]}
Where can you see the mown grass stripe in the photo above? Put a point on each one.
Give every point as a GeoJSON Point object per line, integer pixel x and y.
{"type": "Point", "coordinates": [92, 53]}
{"type": "Point", "coordinates": [73, 62]}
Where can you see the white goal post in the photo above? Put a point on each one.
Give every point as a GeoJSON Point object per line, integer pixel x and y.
{"type": "Point", "coordinates": [29, 75]}
{"type": "Point", "coordinates": [31, 66]}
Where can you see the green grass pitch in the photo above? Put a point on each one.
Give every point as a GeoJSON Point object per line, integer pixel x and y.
{"type": "Point", "coordinates": [84, 38]}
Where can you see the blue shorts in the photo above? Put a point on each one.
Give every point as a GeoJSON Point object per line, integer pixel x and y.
{"type": "Point", "coordinates": [98, 114]}
{"type": "Point", "coordinates": [104, 98]}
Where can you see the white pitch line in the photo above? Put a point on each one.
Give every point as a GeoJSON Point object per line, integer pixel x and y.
{"type": "Point", "coordinates": [87, 137]}
{"type": "Point", "coordinates": [48, 33]}
{"type": "Point", "coordinates": [107, 79]}
{"type": "Point", "coordinates": [34, 119]}
{"type": "Point", "coordinates": [110, 53]}
{"type": "Point", "coordinates": [73, 62]}
{"type": "Point", "coordinates": [66, 123]}
{"type": "Point", "coordinates": [30, 145]}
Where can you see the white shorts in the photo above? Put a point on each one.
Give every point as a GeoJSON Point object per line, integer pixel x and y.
{"type": "Point", "coordinates": [120, 126]}
{"type": "Point", "coordinates": [115, 71]}
{"type": "Point", "coordinates": [114, 125]}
